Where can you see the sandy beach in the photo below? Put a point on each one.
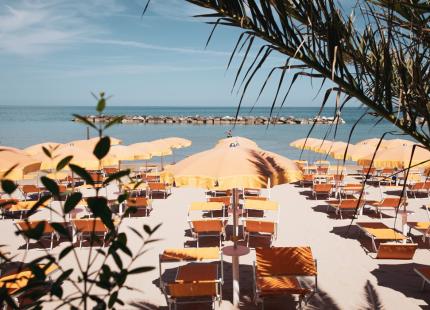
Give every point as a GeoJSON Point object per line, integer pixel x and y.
{"type": "Point", "coordinates": [345, 267]}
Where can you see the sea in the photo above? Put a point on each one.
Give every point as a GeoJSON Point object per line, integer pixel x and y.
{"type": "Point", "coordinates": [22, 126]}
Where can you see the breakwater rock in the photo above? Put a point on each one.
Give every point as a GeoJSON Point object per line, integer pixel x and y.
{"type": "Point", "coordinates": [212, 120]}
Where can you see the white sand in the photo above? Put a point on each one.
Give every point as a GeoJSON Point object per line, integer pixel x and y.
{"type": "Point", "coordinates": [343, 265]}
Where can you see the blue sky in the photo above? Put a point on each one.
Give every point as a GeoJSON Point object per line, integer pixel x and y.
{"type": "Point", "coordinates": [55, 52]}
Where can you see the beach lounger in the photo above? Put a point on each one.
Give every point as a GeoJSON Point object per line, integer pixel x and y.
{"type": "Point", "coordinates": [261, 205]}
{"type": "Point", "coordinates": [30, 192]}
{"type": "Point", "coordinates": [48, 231]}
{"type": "Point", "coordinates": [16, 282]}
{"type": "Point", "coordinates": [418, 187]}
{"type": "Point", "coordinates": [140, 203]}
{"type": "Point", "coordinates": [379, 232]}
{"type": "Point", "coordinates": [388, 203]}
{"type": "Point", "coordinates": [278, 271]}
{"type": "Point", "coordinates": [208, 228]}
{"type": "Point", "coordinates": [23, 207]}
{"type": "Point", "coordinates": [256, 192]}
{"type": "Point", "coordinates": [308, 179]}
{"type": "Point", "coordinates": [209, 207]}
{"type": "Point", "coordinates": [198, 282]}
{"type": "Point", "coordinates": [322, 189]}
{"type": "Point", "coordinates": [346, 205]}
{"type": "Point", "coordinates": [91, 228]}
{"type": "Point", "coordinates": [152, 178]}
{"type": "Point", "coordinates": [262, 229]}
{"type": "Point", "coordinates": [154, 187]}
{"type": "Point", "coordinates": [424, 273]}
{"type": "Point", "coordinates": [5, 205]}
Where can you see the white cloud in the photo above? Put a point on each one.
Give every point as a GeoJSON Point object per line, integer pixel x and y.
{"type": "Point", "coordinates": [143, 45]}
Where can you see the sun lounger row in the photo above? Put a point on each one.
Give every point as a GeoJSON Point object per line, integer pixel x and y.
{"type": "Point", "coordinates": [276, 272]}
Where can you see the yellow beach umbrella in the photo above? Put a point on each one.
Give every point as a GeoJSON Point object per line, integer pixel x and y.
{"type": "Point", "coordinates": [37, 148]}
{"type": "Point", "coordinates": [145, 150]}
{"type": "Point", "coordinates": [232, 167]}
{"type": "Point", "coordinates": [245, 142]}
{"type": "Point", "coordinates": [397, 142]}
{"type": "Point", "coordinates": [24, 163]}
{"type": "Point", "coordinates": [396, 157]}
{"type": "Point", "coordinates": [177, 143]}
{"type": "Point", "coordinates": [310, 143]}
{"type": "Point", "coordinates": [91, 143]}
{"type": "Point", "coordinates": [121, 152]}
{"type": "Point", "coordinates": [327, 146]}
{"type": "Point", "coordinates": [82, 156]}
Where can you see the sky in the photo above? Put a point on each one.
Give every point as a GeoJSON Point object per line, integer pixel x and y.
{"type": "Point", "coordinates": [55, 52]}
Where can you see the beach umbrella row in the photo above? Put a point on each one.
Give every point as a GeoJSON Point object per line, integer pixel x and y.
{"type": "Point", "coordinates": [392, 153]}
{"type": "Point", "coordinates": [33, 158]}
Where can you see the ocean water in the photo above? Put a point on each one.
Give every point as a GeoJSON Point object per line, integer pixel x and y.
{"type": "Point", "coordinates": [23, 126]}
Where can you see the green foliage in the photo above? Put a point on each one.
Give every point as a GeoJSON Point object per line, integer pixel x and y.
{"type": "Point", "coordinates": [110, 279]}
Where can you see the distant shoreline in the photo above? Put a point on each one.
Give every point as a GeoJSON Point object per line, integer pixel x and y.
{"type": "Point", "coordinates": [211, 120]}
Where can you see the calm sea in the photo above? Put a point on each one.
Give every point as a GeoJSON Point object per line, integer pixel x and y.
{"type": "Point", "coordinates": [24, 126]}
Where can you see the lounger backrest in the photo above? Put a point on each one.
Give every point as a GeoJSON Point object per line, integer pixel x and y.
{"type": "Point", "coordinates": [190, 254]}
{"type": "Point", "coordinates": [396, 251]}
{"type": "Point", "coordinates": [260, 226]}
{"type": "Point", "coordinates": [323, 187]}
{"type": "Point", "coordinates": [137, 202]}
{"type": "Point", "coordinates": [387, 171]}
{"type": "Point", "coordinates": [351, 203]}
{"type": "Point", "coordinates": [392, 202]}
{"type": "Point", "coordinates": [96, 177]}
{"type": "Point", "coordinates": [187, 290]}
{"type": "Point", "coordinates": [30, 188]}
{"type": "Point", "coordinates": [338, 177]}
{"type": "Point", "coordinates": [89, 225]}
{"type": "Point", "coordinates": [308, 177]}
{"type": "Point", "coordinates": [255, 198]}
{"type": "Point", "coordinates": [322, 170]}
{"type": "Point", "coordinates": [152, 178]}
{"type": "Point", "coordinates": [24, 226]}
{"type": "Point", "coordinates": [157, 186]}
{"type": "Point", "coordinates": [285, 261]}
{"type": "Point", "coordinates": [7, 203]}
{"type": "Point", "coordinates": [207, 225]}
{"type": "Point", "coordinates": [368, 170]}
{"type": "Point", "coordinates": [110, 170]}
{"type": "Point", "coordinates": [224, 199]}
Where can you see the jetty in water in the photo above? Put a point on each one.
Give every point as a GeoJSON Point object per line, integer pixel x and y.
{"type": "Point", "coordinates": [213, 120]}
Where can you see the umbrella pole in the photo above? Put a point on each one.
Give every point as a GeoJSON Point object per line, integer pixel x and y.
{"type": "Point", "coordinates": [235, 258]}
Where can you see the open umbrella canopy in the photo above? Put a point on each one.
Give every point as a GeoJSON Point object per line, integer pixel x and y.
{"type": "Point", "coordinates": [37, 148]}
{"type": "Point", "coordinates": [91, 143]}
{"type": "Point", "coordinates": [177, 143]}
{"type": "Point", "coordinates": [230, 167]}
{"type": "Point", "coordinates": [308, 144]}
{"type": "Point", "coordinates": [121, 152]}
{"type": "Point", "coordinates": [327, 146]}
{"type": "Point", "coordinates": [82, 156]}
{"type": "Point", "coordinates": [145, 150]}
{"type": "Point", "coordinates": [245, 142]}
{"type": "Point", "coordinates": [23, 163]}
{"type": "Point", "coordinates": [396, 157]}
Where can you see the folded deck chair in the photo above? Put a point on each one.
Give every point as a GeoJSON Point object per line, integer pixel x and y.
{"type": "Point", "coordinates": [380, 232]}
{"type": "Point", "coordinates": [156, 187]}
{"type": "Point", "coordinates": [322, 189]}
{"type": "Point", "coordinates": [140, 203]}
{"type": "Point", "coordinates": [424, 273]}
{"type": "Point", "coordinates": [89, 228]}
{"type": "Point", "coordinates": [346, 205]}
{"type": "Point", "coordinates": [16, 281]}
{"type": "Point", "coordinates": [259, 229]}
{"type": "Point", "coordinates": [208, 228]}
{"type": "Point", "coordinates": [194, 283]}
{"type": "Point", "coordinates": [48, 231]}
{"type": "Point", "coordinates": [277, 271]}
